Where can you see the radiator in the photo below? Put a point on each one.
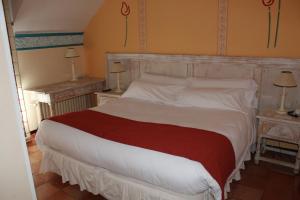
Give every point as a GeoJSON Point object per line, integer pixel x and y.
{"type": "Point", "coordinates": [70, 105]}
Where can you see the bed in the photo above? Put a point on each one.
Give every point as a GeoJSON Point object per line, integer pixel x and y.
{"type": "Point", "coordinates": [162, 90]}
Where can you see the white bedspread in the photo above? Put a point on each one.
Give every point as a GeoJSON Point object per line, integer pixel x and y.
{"type": "Point", "coordinates": [167, 171]}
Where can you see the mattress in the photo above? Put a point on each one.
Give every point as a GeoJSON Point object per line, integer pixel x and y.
{"type": "Point", "coordinates": [169, 172]}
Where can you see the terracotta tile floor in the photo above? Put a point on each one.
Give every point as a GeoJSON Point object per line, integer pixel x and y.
{"type": "Point", "coordinates": [259, 182]}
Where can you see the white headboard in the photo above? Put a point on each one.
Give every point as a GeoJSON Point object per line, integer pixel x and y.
{"type": "Point", "coordinates": [262, 70]}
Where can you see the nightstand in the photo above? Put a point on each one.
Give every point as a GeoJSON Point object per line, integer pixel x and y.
{"type": "Point", "coordinates": [104, 97]}
{"type": "Point", "coordinates": [282, 129]}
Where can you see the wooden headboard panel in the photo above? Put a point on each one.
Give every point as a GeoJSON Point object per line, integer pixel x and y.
{"type": "Point", "coordinates": [262, 70]}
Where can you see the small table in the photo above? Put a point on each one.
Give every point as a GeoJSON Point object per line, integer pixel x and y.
{"type": "Point", "coordinates": [104, 97]}
{"type": "Point", "coordinates": [58, 92]}
{"type": "Point", "coordinates": [281, 128]}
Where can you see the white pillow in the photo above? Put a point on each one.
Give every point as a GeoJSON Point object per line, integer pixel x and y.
{"type": "Point", "coordinates": [154, 78]}
{"type": "Point", "coordinates": [248, 85]}
{"type": "Point", "coordinates": [152, 91]}
{"type": "Point", "coordinates": [218, 98]}
{"type": "Point", "coordinates": [222, 83]}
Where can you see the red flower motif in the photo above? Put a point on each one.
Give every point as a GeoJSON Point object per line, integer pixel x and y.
{"type": "Point", "coordinates": [125, 9]}
{"type": "Point", "coordinates": [268, 2]}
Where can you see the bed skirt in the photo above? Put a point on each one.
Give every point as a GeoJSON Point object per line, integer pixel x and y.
{"type": "Point", "coordinates": [113, 186]}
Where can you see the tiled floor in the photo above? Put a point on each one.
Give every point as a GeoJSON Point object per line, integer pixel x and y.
{"type": "Point", "coordinates": [259, 182]}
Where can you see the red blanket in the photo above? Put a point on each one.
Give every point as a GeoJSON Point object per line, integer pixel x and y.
{"type": "Point", "coordinates": [213, 150]}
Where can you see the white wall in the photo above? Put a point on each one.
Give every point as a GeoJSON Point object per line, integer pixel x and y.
{"type": "Point", "coordinates": [41, 67]}
{"type": "Point", "coordinates": [55, 15]}
{"type": "Point", "coordinates": [16, 180]}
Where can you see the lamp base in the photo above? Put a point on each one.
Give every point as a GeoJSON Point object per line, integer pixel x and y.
{"type": "Point", "coordinates": [117, 90]}
{"type": "Point", "coordinates": [281, 112]}
{"type": "Point", "coordinates": [74, 79]}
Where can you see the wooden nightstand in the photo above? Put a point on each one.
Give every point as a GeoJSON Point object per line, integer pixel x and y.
{"type": "Point", "coordinates": [104, 97]}
{"type": "Point", "coordinates": [282, 129]}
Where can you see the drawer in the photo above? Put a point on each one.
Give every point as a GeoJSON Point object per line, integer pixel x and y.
{"type": "Point", "coordinates": [281, 130]}
{"type": "Point", "coordinates": [101, 100]}
{"type": "Point", "coordinates": [64, 95]}
{"type": "Point", "coordinates": [74, 92]}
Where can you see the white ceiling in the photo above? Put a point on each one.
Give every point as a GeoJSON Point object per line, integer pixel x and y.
{"type": "Point", "coordinates": [53, 15]}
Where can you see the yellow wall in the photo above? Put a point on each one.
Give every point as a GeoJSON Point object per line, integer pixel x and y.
{"type": "Point", "coordinates": [40, 67]}
{"type": "Point", "coordinates": [105, 33]}
{"type": "Point", "coordinates": [247, 29]}
{"type": "Point", "coordinates": [182, 26]}
{"type": "Point", "coordinates": [191, 27]}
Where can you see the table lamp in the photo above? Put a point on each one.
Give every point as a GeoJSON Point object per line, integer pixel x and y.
{"type": "Point", "coordinates": [71, 53]}
{"type": "Point", "coordinates": [284, 80]}
{"type": "Point", "coordinates": [117, 68]}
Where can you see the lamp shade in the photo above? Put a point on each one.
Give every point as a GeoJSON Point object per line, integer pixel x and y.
{"type": "Point", "coordinates": [117, 67]}
{"type": "Point", "coordinates": [71, 53]}
{"type": "Point", "coordinates": [285, 79]}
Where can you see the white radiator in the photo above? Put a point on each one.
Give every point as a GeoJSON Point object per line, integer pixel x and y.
{"type": "Point", "coordinates": [70, 105]}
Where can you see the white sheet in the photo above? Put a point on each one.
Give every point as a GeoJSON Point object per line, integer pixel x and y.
{"type": "Point", "coordinates": [167, 171]}
{"type": "Point", "coordinates": [110, 185]}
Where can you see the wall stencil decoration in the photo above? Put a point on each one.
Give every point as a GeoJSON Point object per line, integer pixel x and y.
{"type": "Point", "coordinates": [269, 3]}
{"type": "Point", "coordinates": [30, 41]}
{"type": "Point", "coordinates": [222, 26]}
{"type": "Point", "coordinates": [125, 11]}
{"type": "Point", "coordinates": [142, 25]}
{"type": "Point", "coordinates": [277, 23]}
